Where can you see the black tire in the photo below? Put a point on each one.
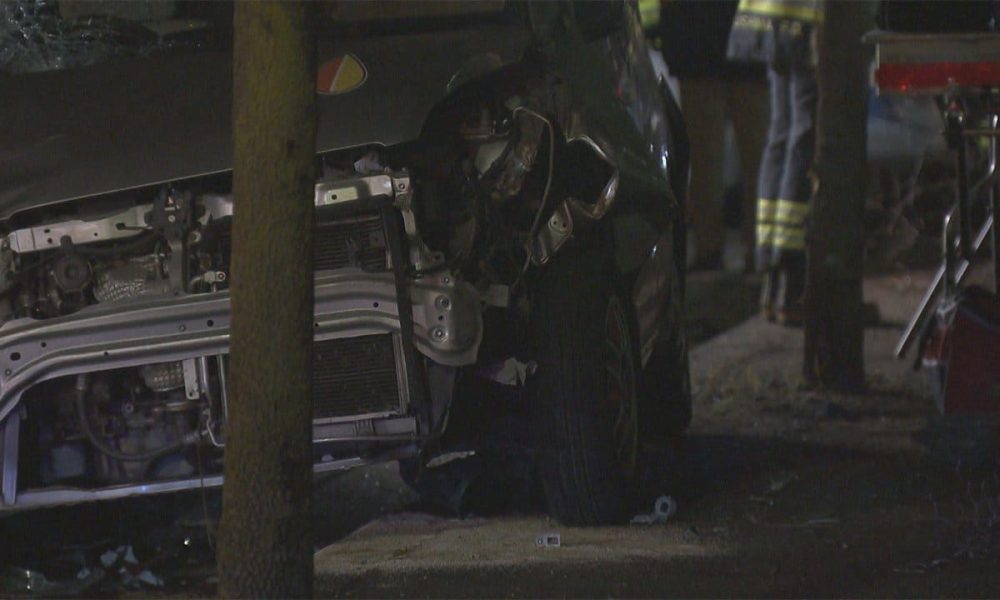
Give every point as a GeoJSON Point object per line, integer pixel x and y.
{"type": "Point", "coordinates": [665, 383]}
{"type": "Point", "coordinates": [586, 420]}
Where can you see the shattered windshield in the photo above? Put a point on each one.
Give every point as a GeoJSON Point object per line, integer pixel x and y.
{"type": "Point", "coordinates": [46, 35]}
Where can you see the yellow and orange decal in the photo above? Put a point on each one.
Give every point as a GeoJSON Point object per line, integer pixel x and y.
{"type": "Point", "coordinates": [342, 74]}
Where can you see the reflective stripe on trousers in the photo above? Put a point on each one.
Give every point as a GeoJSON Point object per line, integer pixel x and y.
{"type": "Point", "coordinates": [808, 11]}
{"type": "Point", "coordinates": [781, 224]}
{"type": "Point", "coordinates": [784, 189]}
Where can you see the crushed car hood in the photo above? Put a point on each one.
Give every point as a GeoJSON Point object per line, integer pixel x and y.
{"type": "Point", "coordinates": [83, 132]}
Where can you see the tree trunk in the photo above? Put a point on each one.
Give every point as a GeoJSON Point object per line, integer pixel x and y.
{"type": "Point", "coordinates": [834, 323]}
{"type": "Point", "coordinates": [265, 543]}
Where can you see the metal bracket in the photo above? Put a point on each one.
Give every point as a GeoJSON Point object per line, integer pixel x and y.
{"type": "Point", "coordinates": [557, 231]}
{"type": "Point", "coordinates": [45, 237]}
{"type": "Point", "coordinates": [192, 383]}
{"type": "Point", "coordinates": [140, 218]}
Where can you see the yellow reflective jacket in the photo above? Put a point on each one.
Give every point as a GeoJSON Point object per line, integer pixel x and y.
{"type": "Point", "coordinates": [649, 14]}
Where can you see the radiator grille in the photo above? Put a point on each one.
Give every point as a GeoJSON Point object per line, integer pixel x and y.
{"type": "Point", "coordinates": [336, 241]}
{"type": "Point", "coordinates": [355, 376]}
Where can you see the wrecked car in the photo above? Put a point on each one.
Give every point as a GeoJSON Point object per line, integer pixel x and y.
{"type": "Point", "coordinates": [500, 201]}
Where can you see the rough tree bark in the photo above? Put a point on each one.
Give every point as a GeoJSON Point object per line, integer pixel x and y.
{"type": "Point", "coordinates": [265, 543]}
{"type": "Point", "coordinates": [834, 323]}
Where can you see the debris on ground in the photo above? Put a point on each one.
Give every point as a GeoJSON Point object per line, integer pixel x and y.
{"type": "Point", "coordinates": [124, 554]}
{"type": "Point", "coordinates": [664, 508]}
{"type": "Point", "coordinates": [443, 459]}
{"type": "Point", "coordinates": [130, 572]}
{"type": "Point", "coordinates": [920, 568]}
{"type": "Point", "coordinates": [152, 545]}
{"type": "Point", "coordinates": [548, 540]}
{"type": "Point", "coordinates": [510, 372]}
{"type": "Point", "coordinates": [17, 581]}
{"type": "Point", "coordinates": [777, 485]}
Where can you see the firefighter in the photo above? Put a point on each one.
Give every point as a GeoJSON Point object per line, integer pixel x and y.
{"type": "Point", "coordinates": [713, 91]}
{"type": "Point", "coordinates": [781, 34]}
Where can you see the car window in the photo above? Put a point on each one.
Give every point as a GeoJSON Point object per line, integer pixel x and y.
{"type": "Point", "coordinates": [45, 35]}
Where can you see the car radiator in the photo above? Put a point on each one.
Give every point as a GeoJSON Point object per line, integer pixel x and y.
{"type": "Point", "coordinates": [356, 376]}
{"type": "Point", "coordinates": [353, 242]}
{"type": "Point", "coordinates": [359, 375]}
{"type": "Point", "coordinates": [353, 376]}
{"type": "Point", "coordinates": [338, 243]}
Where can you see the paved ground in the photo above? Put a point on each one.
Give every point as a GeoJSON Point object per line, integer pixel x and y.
{"type": "Point", "coordinates": [782, 491]}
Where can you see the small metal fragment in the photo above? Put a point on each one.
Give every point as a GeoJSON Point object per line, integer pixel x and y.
{"type": "Point", "coordinates": [664, 508]}
{"type": "Point", "coordinates": [448, 457]}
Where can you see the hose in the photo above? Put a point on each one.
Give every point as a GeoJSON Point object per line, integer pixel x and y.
{"type": "Point", "coordinates": [81, 408]}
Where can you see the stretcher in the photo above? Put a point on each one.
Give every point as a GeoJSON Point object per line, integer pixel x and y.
{"type": "Point", "coordinates": [963, 71]}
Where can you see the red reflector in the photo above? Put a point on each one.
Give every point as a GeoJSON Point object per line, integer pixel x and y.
{"type": "Point", "coordinates": [915, 76]}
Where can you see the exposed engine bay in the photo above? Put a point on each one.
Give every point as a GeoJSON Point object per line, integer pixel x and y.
{"type": "Point", "coordinates": [412, 244]}
{"type": "Point", "coordinates": [498, 256]}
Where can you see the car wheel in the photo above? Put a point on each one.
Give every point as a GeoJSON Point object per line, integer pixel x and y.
{"type": "Point", "coordinates": [665, 383]}
{"type": "Point", "coordinates": [666, 390]}
{"type": "Point", "coordinates": [584, 400]}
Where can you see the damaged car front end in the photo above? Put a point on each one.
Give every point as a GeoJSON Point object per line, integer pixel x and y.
{"type": "Point", "coordinates": [476, 181]}
{"type": "Point", "coordinates": [139, 373]}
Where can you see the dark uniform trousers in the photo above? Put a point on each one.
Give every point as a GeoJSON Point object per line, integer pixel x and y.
{"type": "Point", "coordinates": [784, 189]}
{"type": "Point", "coordinates": [780, 34]}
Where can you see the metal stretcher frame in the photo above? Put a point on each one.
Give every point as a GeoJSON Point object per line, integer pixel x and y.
{"type": "Point", "coordinates": [956, 67]}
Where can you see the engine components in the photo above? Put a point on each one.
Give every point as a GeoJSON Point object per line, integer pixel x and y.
{"type": "Point", "coordinates": [71, 273]}
{"type": "Point", "coordinates": [163, 377]}
{"type": "Point", "coordinates": [137, 277]}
